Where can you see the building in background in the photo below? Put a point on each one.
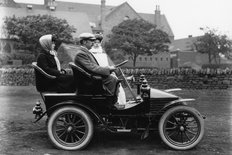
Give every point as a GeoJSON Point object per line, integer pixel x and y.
{"type": "Point", "coordinates": [92, 18]}
{"type": "Point", "coordinates": [85, 17]}
{"type": "Point", "coordinates": [184, 54]}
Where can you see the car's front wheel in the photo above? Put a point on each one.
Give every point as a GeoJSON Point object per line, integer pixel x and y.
{"type": "Point", "coordinates": [181, 127]}
{"type": "Point", "coordinates": [70, 128]}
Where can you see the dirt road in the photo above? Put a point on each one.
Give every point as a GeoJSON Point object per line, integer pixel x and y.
{"type": "Point", "coordinates": [19, 136]}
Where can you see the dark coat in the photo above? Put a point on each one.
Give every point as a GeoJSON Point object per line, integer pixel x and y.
{"type": "Point", "coordinates": [86, 60]}
{"type": "Point", "coordinates": [47, 62]}
{"type": "Point", "coordinates": [63, 82]}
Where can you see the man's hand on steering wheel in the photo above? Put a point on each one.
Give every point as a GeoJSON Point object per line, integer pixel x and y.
{"type": "Point", "coordinates": [115, 67]}
{"type": "Point", "coordinates": [112, 68]}
{"type": "Point", "coordinates": [62, 71]}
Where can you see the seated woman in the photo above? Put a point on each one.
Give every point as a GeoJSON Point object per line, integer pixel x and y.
{"type": "Point", "coordinates": [48, 61]}
{"type": "Point", "coordinates": [103, 61]}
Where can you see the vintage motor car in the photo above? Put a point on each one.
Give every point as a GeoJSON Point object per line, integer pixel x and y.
{"type": "Point", "coordinates": [73, 117]}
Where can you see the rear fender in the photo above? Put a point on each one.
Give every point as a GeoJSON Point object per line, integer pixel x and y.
{"type": "Point", "coordinates": [88, 109]}
{"type": "Point", "coordinates": [177, 102]}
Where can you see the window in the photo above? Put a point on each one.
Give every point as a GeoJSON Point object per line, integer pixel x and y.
{"type": "Point", "coordinates": [145, 59]}
{"type": "Point", "coordinates": [151, 58]}
{"type": "Point", "coordinates": [92, 25]}
{"type": "Point", "coordinates": [7, 48]}
{"type": "Point", "coordinates": [161, 59]}
{"type": "Point", "coordinates": [140, 59]}
{"type": "Point", "coordinates": [167, 59]}
{"type": "Point", "coordinates": [126, 18]}
{"type": "Point", "coordinates": [52, 8]}
{"type": "Point", "coordinates": [156, 58]}
{"type": "Point", "coordinates": [70, 8]}
{"type": "Point", "coordinates": [29, 7]}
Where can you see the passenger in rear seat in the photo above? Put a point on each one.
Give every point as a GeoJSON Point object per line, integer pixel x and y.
{"type": "Point", "coordinates": [49, 62]}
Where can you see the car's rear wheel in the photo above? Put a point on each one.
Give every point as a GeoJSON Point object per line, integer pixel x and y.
{"type": "Point", "coordinates": [181, 127]}
{"type": "Point", "coordinates": [70, 128]}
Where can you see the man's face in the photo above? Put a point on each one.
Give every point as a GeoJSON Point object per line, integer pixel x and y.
{"type": "Point", "coordinates": [89, 44]}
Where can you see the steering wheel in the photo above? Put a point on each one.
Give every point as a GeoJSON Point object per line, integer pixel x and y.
{"type": "Point", "coordinates": [122, 63]}
{"type": "Point", "coordinates": [124, 78]}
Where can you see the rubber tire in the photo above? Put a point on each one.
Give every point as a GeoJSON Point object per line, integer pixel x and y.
{"type": "Point", "coordinates": [176, 109]}
{"type": "Point", "coordinates": [82, 114]}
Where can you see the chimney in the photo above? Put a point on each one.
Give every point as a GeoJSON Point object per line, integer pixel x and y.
{"type": "Point", "coordinates": [157, 10]}
{"type": "Point", "coordinates": [103, 6]}
{"type": "Point", "coordinates": [157, 16]}
{"type": "Point", "coordinates": [50, 2]}
{"type": "Point", "coordinates": [46, 2]}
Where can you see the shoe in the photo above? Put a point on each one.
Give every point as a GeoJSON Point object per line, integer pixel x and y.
{"type": "Point", "coordinates": [138, 100]}
{"type": "Point", "coordinates": [131, 102]}
{"type": "Point", "coordinates": [130, 78]}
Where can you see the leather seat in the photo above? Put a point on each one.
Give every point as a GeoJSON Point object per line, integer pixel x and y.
{"type": "Point", "coordinates": [87, 83]}
{"type": "Point", "coordinates": [44, 82]}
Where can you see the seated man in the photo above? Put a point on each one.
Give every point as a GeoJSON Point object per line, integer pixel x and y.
{"type": "Point", "coordinates": [86, 60]}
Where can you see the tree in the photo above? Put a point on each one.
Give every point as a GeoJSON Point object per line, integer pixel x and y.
{"type": "Point", "coordinates": [214, 45]}
{"type": "Point", "coordinates": [137, 37]}
{"type": "Point", "coordinates": [29, 29]}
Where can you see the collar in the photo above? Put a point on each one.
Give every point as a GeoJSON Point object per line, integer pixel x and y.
{"type": "Point", "coordinates": [84, 48]}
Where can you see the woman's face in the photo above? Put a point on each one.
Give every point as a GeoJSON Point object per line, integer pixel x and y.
{"type": "Point", "coordinates": [53, 45]}
{"type": "Point", "coordinates": [96, 43]}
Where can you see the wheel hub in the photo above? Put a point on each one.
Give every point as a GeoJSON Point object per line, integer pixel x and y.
{"type": "Point", "coordinates": [70, 128]}
{"type": "Point", "coordinates": [181, 128]}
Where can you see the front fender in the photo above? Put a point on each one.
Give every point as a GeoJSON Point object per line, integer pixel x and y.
{"type": "Point", "coordinates": [172, 90]}
{"type": "Point", "coordinates": [178, 102]}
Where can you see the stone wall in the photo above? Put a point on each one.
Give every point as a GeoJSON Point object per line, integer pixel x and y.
{"type": "Point", "coordinates": [16, 77]}
{"type": "Point", "coordinates": [188, 79]}
{"type": "Point", "coordinates": [162, 79]}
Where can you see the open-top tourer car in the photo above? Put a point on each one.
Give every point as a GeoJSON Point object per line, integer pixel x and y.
{"type": "Point", "coordinates": [72, 117]}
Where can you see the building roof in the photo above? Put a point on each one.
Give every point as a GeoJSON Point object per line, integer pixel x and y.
{"type": "Point", "coordinates": [8, 3]}
{"type": "Point", "coordinates": [164, 22]}
{"type": "Point", "coordinates": [117, 8]}
{"type": "Point", "coordinates": [92, 10]}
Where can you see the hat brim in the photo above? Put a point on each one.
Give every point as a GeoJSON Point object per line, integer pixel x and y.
{"type": "Point", "coordinates": [92, 38]}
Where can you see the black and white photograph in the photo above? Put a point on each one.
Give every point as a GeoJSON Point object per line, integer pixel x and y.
{"type": "Point", "coordinates": [115, 77]}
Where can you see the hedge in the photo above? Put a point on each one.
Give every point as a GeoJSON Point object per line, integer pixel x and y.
{"type": "Point", "coordinates": [16, 76]}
